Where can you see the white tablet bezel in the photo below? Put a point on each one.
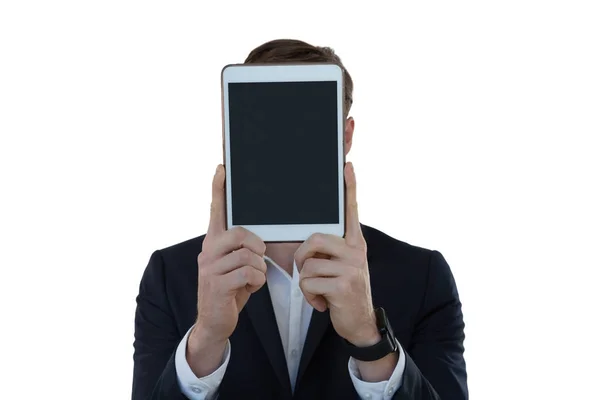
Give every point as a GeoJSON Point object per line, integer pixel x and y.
{"type": "Point", "coordinates": [240, 73]}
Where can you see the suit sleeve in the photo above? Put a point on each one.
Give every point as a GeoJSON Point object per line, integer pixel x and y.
{"type": "Point", "coordinates": [156, 338]}
{"type": "Point", "coordinates": [435, 366]}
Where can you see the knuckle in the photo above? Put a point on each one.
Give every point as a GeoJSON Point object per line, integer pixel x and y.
{"type": "Point", "coordinates": [262, 279]}
{"type": "Point", "coordinates": [263, 266]}
{"type": "Point", "coordinates": [238, 233]}
{"type": "Point", "coordinates": [316, 239]}
{"type": "Point", "coordinates": [309, 267]}
{"type": "Point", "coordinates": [302, 285]}
{"type": "Point", "coordinates": [244, 255]}
{"type": "Point", "coordinates": [263, 247]}
{"type": "Point", "coordinates": [244, 274]}
{"type": "Point", "coordinates": [201, 258]}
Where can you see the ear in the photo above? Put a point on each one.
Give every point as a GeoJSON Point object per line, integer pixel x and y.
{"type": "Point", "coordinates": [348, 134]}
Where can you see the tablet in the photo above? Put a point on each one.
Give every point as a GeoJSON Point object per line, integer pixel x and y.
{"type": "Point", "coordinates": [283, 136]}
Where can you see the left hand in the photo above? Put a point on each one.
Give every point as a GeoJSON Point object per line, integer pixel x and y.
{"type": "Point", "coordinates": [334, 274]}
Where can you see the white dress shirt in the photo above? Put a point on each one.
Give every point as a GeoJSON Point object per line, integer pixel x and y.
{"type": "Point", "coordinates": [293, 314]}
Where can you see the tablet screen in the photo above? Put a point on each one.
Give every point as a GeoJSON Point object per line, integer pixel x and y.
{"type": "Point", "coordinates": [284, 153]}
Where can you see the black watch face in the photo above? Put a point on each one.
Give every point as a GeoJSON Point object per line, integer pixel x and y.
{"type": "Point", "coordinates": [385, 329]}
{"type": "Point", "coordinates": [381, 319]}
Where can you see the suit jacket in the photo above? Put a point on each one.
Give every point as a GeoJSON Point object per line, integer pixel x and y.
{"type": "Point", "coordinates": [414, 285]}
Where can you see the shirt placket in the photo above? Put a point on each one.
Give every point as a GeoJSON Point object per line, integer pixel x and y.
{"type": "Point", "coordinates": [294, 346]}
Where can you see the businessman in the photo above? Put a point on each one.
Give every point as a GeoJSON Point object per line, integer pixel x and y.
{"type": "Point", "coordinates": [365, 316]}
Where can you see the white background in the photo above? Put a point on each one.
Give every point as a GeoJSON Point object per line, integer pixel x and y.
{"type": "Point", "coordinates": [477, 128]}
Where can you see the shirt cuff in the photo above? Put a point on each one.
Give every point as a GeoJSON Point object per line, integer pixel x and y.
{"type": "Point", "coordinates": [383, 390]}
{"type": "Point", "coordinates": [191, 386]}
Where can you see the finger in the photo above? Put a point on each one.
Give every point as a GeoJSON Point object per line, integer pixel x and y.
{"type": "Point", "coordinates": [316, 267]}
{"type": "Point", "coordinates": [318, 303]}
{"type": "Point", "coordinates": [234, 239]}
{"type": "Point", "coordinates": [244, 277]}
{"type": "Point", "coordinates": [317, 244]}
{"type": "Point", "coordinates": [237, 259]}
{"type": "Point", "coordinates": [317, 289]}
{"type": "Point", "coordinates": [217, 206]}
{"type": "Point", "coordinates": [241, 298]}
{"type": "Point", "coordinates": [353, 235]}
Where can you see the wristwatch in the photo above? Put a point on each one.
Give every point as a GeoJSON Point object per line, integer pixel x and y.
{"type": "Point", "coordinates": [386, 345]}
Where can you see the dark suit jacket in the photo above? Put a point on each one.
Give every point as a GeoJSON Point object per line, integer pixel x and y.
{"type": "Point", "coordinates": [414, 285]}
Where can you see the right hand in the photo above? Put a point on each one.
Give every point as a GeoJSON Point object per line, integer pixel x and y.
{"type": "Point", "coordinates": [230, 268]}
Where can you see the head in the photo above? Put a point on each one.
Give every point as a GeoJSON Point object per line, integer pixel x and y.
{"type": "Point", "coordinates": [296, 51]}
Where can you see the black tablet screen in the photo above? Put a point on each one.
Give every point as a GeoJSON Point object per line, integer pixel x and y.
{"type": "Point", "coordinates": [284, 153]}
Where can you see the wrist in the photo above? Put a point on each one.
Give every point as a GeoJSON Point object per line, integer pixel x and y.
{"type": "Point", "coordinates": [368, 336]}
{"type": "Point", "coordinates": [201, 339]}
{"type": "Point", "coordinates": [204, 352]}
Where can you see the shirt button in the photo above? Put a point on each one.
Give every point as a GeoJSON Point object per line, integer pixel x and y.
{"type": "Point", "coordinates": [391, 390]}
{"type": "Point", "coordinates": [294, 353]}
{"type": "Point", "coordinates": [196, 389]}
{"type": "Point", "coordinates": [297, 292]}
{"type": "Point", "coordinates": [368, 396]}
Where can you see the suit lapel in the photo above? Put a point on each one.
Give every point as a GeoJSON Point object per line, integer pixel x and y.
{"type": "Point", "coordinates": [260, 310]}
{"type": "Point", "coordinates": [319, 322]}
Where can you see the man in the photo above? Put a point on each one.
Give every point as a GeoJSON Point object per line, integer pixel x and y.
{"type": "Point", "coordinates": [226, 315]}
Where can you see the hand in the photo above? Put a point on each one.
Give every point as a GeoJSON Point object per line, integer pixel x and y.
{"type": "Point", "coordinates": [230, 268]}
{"type": "Point", "coordinates": [334, 274]}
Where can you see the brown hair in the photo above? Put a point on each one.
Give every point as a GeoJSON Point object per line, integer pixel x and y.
{"type": "Point", "coordinates": [290, 50]}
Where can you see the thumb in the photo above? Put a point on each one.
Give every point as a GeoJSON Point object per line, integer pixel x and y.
{"type": "Point", "coordinates": [354, 235]}
{"type": "Point", "coordinates": [217, 207]}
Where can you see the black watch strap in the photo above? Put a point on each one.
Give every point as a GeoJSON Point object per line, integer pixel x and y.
{"type": "Point", "coordinates": [386, 345]}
